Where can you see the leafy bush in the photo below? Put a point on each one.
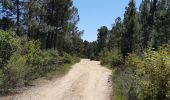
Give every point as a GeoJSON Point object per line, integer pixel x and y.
{"type": "Point", "coordinates": [69, 59]}
{"type": "Point", "coordinates": [50, 56]}
{"type": "Point", "coordinates": [1, 78]}
{"type": "Point", "coordinates": [75, 59]}
{"type": "Point", "coordinates": [92, 57]}
{"type": "Point", "coordinates": [152, 72]}
{"type": "Point", "coordinates": [34, 58]}
{"type": "Point", "coordinates": [16, 66]}
{"type": "Point", "coordinates": [111, 58]}
{"type": "Point", "coordinates": [39, 62]}
{"type": "Point", "coordinates": [9, 44]}
{"type": "Point", "coordinates": [22, 60]}
{"type": "Point", "coordinates": [124, 81]}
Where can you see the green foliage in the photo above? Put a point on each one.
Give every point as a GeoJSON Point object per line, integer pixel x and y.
{"type": "Point", "coordinates": [16, 66]}
{"type": "Point", "coordinates": [5, 23]}
{"type": "Point", "coordinates": [105, 57]}
{"type": "Point", "coordinates": [9, 43]}
{"type": "Point", "coordinates": [69, 59]}
{"type": "Point", "coordinates": [23, 64]}
{"type": "Point", "coordinates": [90, 50]}
{"type": "Point", "coordinates": [33, 52]}
{"type": "Point", "coordinates": [52, 22]}
{"type": "Point", "coordinates": [50, 56]}
{"type": "Point", "coordinates": [1, 78]}
{"type": "Point", "coordinates": [62, 69]}
{"type": "Point", "coordinates": [115, 35]}
{"type": "Point", "coordinates": [102, 38]}
{"type": "Point", "coordinates": [150, 74]}
{"type": "Point", "coordinates": [92, 57]}
{"type": "Point", "coordinates": [124, 80]}
{"type": "Point", "coordinates": [131, 36]}
{"type": "Point", "coordinates": [23, 60]}
{"type": "Point", "coordinates": [111, 58]}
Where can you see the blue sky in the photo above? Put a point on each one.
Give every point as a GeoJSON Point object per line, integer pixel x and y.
{"type": "Point", "coordinates": [97, 13]}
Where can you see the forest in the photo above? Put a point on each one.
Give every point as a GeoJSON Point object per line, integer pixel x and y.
{"type": "Point", "coordinates": [38, 37]}
{"type": "Point", "coordinates": [137, 48]}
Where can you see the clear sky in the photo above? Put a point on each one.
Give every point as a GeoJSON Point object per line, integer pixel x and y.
{"type": "Point", "coordinates": [96, 13]}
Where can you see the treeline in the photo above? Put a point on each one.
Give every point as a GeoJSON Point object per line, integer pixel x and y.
{"type": "Point", "coordinates": [52, 22]}
{"type": "Point", "coordinates": [36, 37]}
{"type": "Point", "coordinates": [148, 27]}
{"type": "Point", "coordinates": [137, 49]}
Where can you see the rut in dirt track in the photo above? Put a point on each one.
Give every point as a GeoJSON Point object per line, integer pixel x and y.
{"type": "Point", "coordinates": [87, 80]}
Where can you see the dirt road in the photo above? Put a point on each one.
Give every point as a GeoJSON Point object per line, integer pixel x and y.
{"type": "Point", "coordinates": [86, 80]}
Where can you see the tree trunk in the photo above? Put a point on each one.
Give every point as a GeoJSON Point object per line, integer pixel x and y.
{"type": "Point", "coordinates": [18, 26]}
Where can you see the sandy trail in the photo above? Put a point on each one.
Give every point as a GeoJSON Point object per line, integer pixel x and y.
{"type": "Point", "coordinates": [86, 80]}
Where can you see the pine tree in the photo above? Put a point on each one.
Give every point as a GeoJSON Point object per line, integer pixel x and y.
{"type": "Point", "coordinates": [63, 16]}
{"type": "Point", "coordinates": [160, 25]}
{"type": "Point", "coordinates": [144, 19]}
{"type": "Point", "coordinates": [6, 23]}
{"type": "Point", "coordinates": [13, 8]}
{"type": "Point", "coordinates": [130, 37]}
{"type": "Point", "coordinates": [34, 25]}
{"type": "Point", "coordinates": [102, 38]}
{"type": "Point", "coordinates": [115, 35]}
{"type": "Point", "coordinates": [167, 20]}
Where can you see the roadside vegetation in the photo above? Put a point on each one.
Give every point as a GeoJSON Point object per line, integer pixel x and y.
{"type": "Point", "coordinates": [138, 51]}
{"type": "Point", "coordinates": [22, 61]}
{"type": "Point", "coordinates": [38, 38]}
{"type": "Point", "coordinates": [141, 77]}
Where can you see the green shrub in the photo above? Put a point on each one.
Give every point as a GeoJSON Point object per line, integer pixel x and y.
{"type": "Point", "coordinates": [111, 58]}
{"type": "Point", "coordinates": [116, 58]}
{"type": "Point", "coordinates": [9, 43]}
{"type": "Point", "coordinates": [50, 56]}
{"type": "Point", "coordinates": [144, 77]}
{"type": "Point", "coordinates": [153, 73]}
{"type": "Point", "coordinates": [1, 78]}
{"type": "Point", "coordinates": [124, 80]}
{"type": "Point", "coordinates": [67, 58]}
{"type": "Point", "coordinates": [33, 53]}
{"type": "Point", "coordinates": [16, 66]}
{"type": "Point", "coordinates": [75, 59]}
{"type": "Point", "coordinates": [22, 60]}
{"type": "Point", "coordinates": [92, 57]}
{"type": "Point", "coordinates": [104, 57]}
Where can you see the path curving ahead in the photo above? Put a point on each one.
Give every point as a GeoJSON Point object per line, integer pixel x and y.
{"type": "Point", "coordinates": [87, 80]}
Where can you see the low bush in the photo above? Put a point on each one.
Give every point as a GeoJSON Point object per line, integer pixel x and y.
{"type": "Point", "coordinates": [9, 43]}
{"type": "Point", "coordinates": [124, 80]}
{"type": "Point", "coordinates": [145, 77]}
{"type": "Point", "coordinates": [37, 63]}
{"type": "Point", "coordinates": [16, 66]}
{"type": "Point", "coordinates": [22, 60]}
{"type": "Point", "coordinates": [111, 58]}
{"type": "Point", "coordinates": [69, 59]}
{"type": "Point", "coordinates": [92, 57]}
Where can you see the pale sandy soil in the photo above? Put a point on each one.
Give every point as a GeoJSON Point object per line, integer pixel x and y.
{"type": "Point", "coordinates": [87, 80]}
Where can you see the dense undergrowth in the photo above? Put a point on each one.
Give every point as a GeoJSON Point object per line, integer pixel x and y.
{"type": "Point", "coordinates": [110, 58]}
{"type": "Point", "coordinates": [140, 77]}
{"type": "Point", "coordinates": [22, 60]}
